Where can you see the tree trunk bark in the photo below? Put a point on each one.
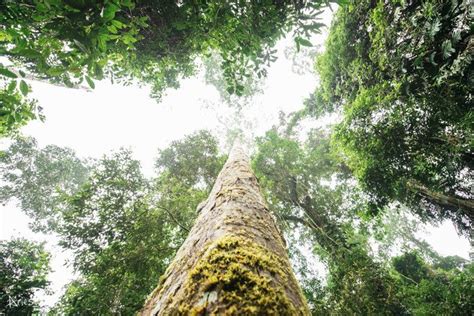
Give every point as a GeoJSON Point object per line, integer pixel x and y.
{"type": "Point", "coordinates": [443, 199]}
{"type": "Point", "coordinates": [234, 260]}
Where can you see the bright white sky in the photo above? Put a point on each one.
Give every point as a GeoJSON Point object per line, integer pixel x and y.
{"type": "Point", "coordinates": [95, 123]}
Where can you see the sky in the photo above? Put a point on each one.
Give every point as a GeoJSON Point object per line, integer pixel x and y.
{"type": "Point", "coordinates": [112, 116]}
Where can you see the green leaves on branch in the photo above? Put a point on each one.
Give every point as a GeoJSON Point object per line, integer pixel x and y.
{"type": "Point", "coordinates": [121, 214]}
{"type": "Point", "coordinates": [15, 110]}
{"type": "Point", "coordinates": [90, 82]}
{"type": "Point", "coordinates": [155, 44]}
{"type": "Point", "coordinates": [24, 88]}
{"type": "Point", "coordinates": [24, 267]}
{"type": "Point", "coordinates": [402, 77]}
{"type": "Point", "coordinates": [302, 42]}
{"type": "Point", "coordinates": [7, 73]}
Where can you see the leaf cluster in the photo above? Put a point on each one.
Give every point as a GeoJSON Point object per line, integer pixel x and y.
{"type": "Point", "coordinates": [24, 266]}
{"type": "Point", "coordinates": [400, 73]}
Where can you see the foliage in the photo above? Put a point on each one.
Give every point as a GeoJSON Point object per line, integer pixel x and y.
{"type": "Point", "coordinates": [124, 228]}
{"type": "Point", "coordinates": [24, 267]}
{"type": "Point", "coordinates": [429, 291]}
{"type": "Point", "coordinates": [249, 86]}
{"type": "Point", "coordinates": [401, 74]}
{"type": "Point", "coordinates": [318, 202]}
{"type": "Point", "coordinates": [193, 161]}
{"type": "Point", "coordinates": [305, 185]}
{"type": "Point", "coordinates": [38, 178]}
{"type": "Point", "coordinates": [154, 42]}
{"type": "Point", "coordinates": [15, 110]}
{"type": "Point", "coordinates": [302, 59]}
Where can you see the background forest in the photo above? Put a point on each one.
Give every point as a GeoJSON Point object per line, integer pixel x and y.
{"type": "Point", "coordinates": [360, 132]}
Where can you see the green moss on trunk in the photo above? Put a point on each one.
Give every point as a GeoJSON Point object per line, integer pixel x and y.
{"type": "Point", "coordinates": [236, 276]}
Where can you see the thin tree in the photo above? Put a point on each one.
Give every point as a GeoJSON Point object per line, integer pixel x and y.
{"type": "Point", "coordinates": [234, 259]}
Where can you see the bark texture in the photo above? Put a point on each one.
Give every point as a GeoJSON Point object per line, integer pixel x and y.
{"type": "Point", "coordinates": [234, 261]}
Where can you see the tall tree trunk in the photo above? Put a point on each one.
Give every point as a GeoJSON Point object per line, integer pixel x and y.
{"type": "Point", "coordinates": [234, 260]}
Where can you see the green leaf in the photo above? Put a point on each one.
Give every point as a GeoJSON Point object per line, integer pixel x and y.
{"type": "Point", "coordinates": [109, 11]}
{"type": "Point", "coordinates": [90, 82]}
{"type": "Point", "coordinates": [81, 46]}
{"type": "Point", "coordinates": [22, 73]}
{"type": "Point", "coordinates": [303, 42]}
{"type": "Point", "coordinates": [315, 26]}
{"type": "Point", "coordinates": [24, 87]}
{"type": "Point", "coordinates": [30, 53]}
{"type": "Point", "coordinates": [112, 29]}
{"type": "Point", "coordinates": [7, 73]}
{"type": "Point", "coordinates": [230, 90]}
{"type": "Point", "coordinates": [117, 24]}
{"type": "Point", "coordinates": [98, 72]}
{"type": "Point", "coordinates": [55, 71]}
{"type": "Point", "coordinates": [447, 49]}
{"type": "Point", "coordinates": [11, 86]}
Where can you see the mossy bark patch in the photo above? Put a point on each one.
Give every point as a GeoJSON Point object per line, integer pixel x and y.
{"type": "Point", "coordinates": [234, 261]}
{"type": "Point", "coordinates": [238, 277]}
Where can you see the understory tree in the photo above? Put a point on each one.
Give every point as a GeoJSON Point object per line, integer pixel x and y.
{"type": "Point", "coordinates": [307, 187]}
{"type": "Point", "coordinates": [400, 74]}
{"type": "Point", "coordinates": [441, 288]}
{"type": "Point", "coordinates": [24, 267]}
{"type": "Point", "coordinates": [37, 178]}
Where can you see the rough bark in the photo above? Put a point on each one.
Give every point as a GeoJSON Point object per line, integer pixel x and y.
{"type": "Point", "coordinates": [234, 260]}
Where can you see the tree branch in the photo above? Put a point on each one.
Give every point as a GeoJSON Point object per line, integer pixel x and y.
{"type": "Point", "coordinates": [31, 77]}
{"type": "Point", "coordinates": [173, 218]}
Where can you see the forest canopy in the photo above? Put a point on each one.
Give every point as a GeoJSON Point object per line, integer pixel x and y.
{"type": "Point", "coordinates": [72, 43]}
{"type": "Point", "coordinates": [401, 75]}
{"type": "Point", "coordinates": [381, 150]}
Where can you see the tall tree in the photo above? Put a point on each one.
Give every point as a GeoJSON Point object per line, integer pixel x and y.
{"type": "Point", "coordinates": [401, 74]}
{"type": "Point", "coordinates": [234, 259]}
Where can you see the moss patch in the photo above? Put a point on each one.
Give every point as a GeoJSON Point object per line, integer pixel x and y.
{"type": "Point", "coordinates": [237, 277]}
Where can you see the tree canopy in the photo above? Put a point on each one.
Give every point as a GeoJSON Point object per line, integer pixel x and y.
{"type": "Point", "coordinates": [150, 42]}
{"type": "Point", "coordinates": [123, 228]}
{"type": "Point", "coordinates": [401, 74]}
{"type": "Point", "coordinates": [397, 77]}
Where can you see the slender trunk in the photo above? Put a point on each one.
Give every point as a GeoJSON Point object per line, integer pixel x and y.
{"type": "Point", "coordinates": [234, 260]}
{"type": "Point", "coordinates": [443, 199]}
